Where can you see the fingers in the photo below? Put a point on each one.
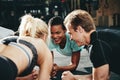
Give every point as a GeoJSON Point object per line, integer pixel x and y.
{"type": "Point", "coordinates": [35, 74]}
{"type": "Point", "coordinates": [65, 73]}
{"type": "Point", "coordinates": [53, 73]}
{"type": "Point", "coordinates": [54, 70]}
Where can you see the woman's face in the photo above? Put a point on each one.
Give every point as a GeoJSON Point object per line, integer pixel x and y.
{"type": "Point", "coordinates": [57, 33]}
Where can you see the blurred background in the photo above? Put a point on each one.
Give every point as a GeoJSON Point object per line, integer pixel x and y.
{"type": "Point", "coordinates": [106, 13]}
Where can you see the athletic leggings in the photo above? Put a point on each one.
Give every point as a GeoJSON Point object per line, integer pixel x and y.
{"type": "Point", "coordinates": [8, 69]}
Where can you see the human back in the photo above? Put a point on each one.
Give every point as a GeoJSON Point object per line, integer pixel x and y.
{"type": "Point", "coordinates": [32, 31]}
{"type": "Point", "coordinates": [15, 52]}
{"type": "Point", "coordinates": [81, 27]}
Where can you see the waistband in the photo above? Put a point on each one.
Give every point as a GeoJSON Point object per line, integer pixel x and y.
{"type": "Point", "coordinates": [10, 67]}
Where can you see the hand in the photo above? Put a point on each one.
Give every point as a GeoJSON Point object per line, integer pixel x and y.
{"type": "Point", "coordinates": [55, 67]}
{"type": "Point", "coordinates": [35, 74]}
{"type": "Point", "coordinates": [53, 73]}
{"type": "Point", "coordinates": [32, 76]}
{"type": "Point", "coordinates": [67, 75]}
{"type": "Point", "coordinates": [54, 70]}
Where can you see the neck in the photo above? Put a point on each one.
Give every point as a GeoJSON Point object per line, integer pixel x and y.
{"type": "Point", "coordinates": [62, 44]}
{"type": "Point", "coordinates": [88, 37]}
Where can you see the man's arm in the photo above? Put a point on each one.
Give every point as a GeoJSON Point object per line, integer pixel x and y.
{"type": "Point", "coordinates": [67, 75]}
{"type": "Point", "coordinates": [101, 73]}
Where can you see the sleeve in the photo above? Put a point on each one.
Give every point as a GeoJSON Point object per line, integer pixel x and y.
{"type": "Point", "coordinates": [98, 52]}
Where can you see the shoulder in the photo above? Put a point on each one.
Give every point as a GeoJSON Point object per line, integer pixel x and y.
{"type": "Point", "coordinates": [34, 41]}
{"type": "Point", "coordinates": [111, 36]}
{"type": "Point", "coordinates": [107, 32]}
{"type": "Point", "coordinates": [38, 43]}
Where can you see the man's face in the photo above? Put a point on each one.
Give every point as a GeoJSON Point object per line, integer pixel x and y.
{"type": "Point", "coordinates": [76, 35]}
{"type": "Point", "coordinates": [57, 33]}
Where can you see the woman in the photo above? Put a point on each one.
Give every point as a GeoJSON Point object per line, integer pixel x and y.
{"type": "Point", "coordinates": [60, 40]}
{"type": "Point", "coordinates": [19, 55]}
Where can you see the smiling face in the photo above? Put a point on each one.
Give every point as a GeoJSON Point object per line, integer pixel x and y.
{"type": "Point", "coordinates": [80, 25]}
{"type": "Point", "coordinates": [57, 33]}
{"type": "Point", "coordinates": [76, 35]}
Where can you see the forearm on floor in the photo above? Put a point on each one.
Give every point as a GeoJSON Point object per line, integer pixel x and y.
{"type": "Point", "coordinates": [83, 77]}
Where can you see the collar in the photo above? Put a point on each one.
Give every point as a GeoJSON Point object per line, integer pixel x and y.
{"type": "Point", "coordinates": [93, 37]}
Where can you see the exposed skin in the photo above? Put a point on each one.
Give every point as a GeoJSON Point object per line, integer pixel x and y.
{"type": "Point", "coordinates": [44, 56]}
{"type": "Point", "coordinates": [32, 76]}
{"type": "Point", "coordinates": [34, 31]}
{"type": "Point", "coordinates": [67, 75]}
{"type": "Point", "coordinates": [81, 37]}
{"type": "Point", "coordinates": [58, 36]}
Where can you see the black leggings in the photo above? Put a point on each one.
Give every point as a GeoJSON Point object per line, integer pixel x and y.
{"type": "Point", "coordinates": [8, 69]}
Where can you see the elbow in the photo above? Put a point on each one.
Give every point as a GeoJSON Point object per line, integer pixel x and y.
{"type": "Point", "coordinates": [101, 77]}
{"type": "Point", "coordinates": [74, 66]}
{"type": "Point", "coordinates": [101, 73]}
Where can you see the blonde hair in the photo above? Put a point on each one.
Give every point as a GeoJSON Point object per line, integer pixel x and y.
{"type": "Point", "coordinates": [80, 18]}
{"type": "Point", "coordinates": [33, 27]}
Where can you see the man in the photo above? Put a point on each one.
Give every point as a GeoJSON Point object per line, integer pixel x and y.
{"type": "Point", "coordinates": [104, 51]}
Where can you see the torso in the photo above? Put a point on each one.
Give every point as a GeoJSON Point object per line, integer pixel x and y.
{"type": "Point", "coordinates": [13, 52]}
{"type": "Point", "coordinates": [106, 48]}
{"type": "Point", "coordinates": [18, 55]}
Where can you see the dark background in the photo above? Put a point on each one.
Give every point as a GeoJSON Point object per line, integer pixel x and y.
{"type": "Point", "coordinates": [12, 10]}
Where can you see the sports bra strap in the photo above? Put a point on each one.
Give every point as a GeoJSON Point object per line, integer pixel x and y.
{"type": "Point", "coordinates": [7, 40]}
{"type": "Point", "coordinates": [35, 56]}
{"type": "Point", "coordinates": [15, 39]}
{"type": "Point", "coordinates": [31, 46]}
